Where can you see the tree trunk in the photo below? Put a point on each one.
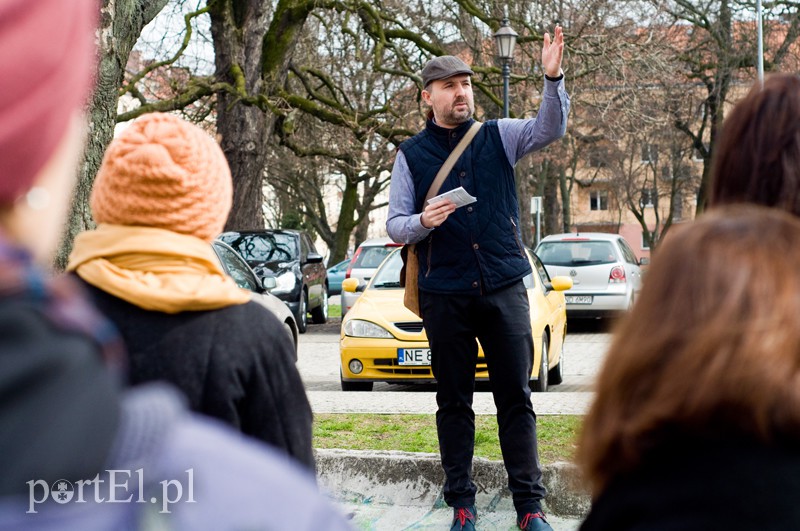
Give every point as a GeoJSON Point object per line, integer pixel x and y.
{"type": "Point", "coordinates": [718, 94]}
{"type": "Point", "coordinates": [566, 205]}
{"type": "Point", "coordinates": [238, 28]}
{"type": "Point", "coordinates": [346, 221]}
{"type": "Point", "coordinates": [244, 130]}
{"type": "Point", "coordinates": [525, 181]}
{"type": "Point", "coordinates": [360, 235]}
{"type": "Point", "coordinates": [121, 23]}
{"type": "Point", "coordinates": [251, 53]}
{"type": "Point", "coordinates": [551, 214]}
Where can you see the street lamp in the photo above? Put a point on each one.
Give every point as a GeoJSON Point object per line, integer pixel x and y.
{"type": "Point", "coordinates": [506, 39]}
{"type": "Point", "coordinates": [760, 62]}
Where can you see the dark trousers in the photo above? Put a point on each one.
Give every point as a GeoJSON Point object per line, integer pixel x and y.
{"type": "Point", "coordinates": [501, 321]}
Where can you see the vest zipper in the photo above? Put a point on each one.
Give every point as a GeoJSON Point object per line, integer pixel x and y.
{"type": "Point", "coordinates": [516, 238]}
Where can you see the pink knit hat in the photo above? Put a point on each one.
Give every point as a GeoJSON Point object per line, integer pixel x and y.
{"type": "Point", "coordinates": [46, 65]}
{"type": "Point", "coordinates": [164, 172]}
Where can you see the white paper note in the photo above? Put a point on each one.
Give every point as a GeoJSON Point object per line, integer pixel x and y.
{"type": "Point", "coordinates": [458, 196]}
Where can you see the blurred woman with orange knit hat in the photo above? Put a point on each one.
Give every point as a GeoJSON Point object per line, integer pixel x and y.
{"type": "Point", "coordinates": [162, 193]}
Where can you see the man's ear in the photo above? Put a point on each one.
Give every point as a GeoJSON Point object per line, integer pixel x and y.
{"type": "Point", "coordinates": [426, 97]}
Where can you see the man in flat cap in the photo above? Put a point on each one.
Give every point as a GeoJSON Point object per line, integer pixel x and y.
{"type": "Point", "coordinates": [472, 264]}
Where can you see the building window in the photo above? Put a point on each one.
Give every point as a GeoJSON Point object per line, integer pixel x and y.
{"type": "Point", "coordinates": [648, 198]}
{"type": "Point", "coordinates": [666, 173]}
{"type": "Point", "coordinates": [645, 243]}
{"type": "Point", "coordinates": [650, 153]}
{"type": "Point", "coordinates": [598, 200]}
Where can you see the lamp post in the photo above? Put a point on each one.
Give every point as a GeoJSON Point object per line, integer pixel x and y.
{"type": "Point", "coordinates": [760, 62]}
{"type": "Point", "coordinates": [506, 39]}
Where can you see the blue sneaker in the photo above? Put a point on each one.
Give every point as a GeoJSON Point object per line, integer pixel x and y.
{"type": "Point", "coordinates": [534, 522]}
{"type": "Point", "coordinates": [464, 518]}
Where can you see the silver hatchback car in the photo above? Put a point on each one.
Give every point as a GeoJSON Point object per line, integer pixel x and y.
{"type": "Point", "coordinates": [606, 277]}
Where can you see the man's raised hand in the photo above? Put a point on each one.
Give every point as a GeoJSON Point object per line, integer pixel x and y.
{"type": "Point", "coordinates": [552, 52]}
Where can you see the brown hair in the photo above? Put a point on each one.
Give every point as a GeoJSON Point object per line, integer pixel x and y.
{"type": "Point", "coordinates": [711, 348]}
{"type": "Point", "coordinates": [757, 156]}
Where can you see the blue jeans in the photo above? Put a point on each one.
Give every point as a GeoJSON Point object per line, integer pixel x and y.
{"type": "Point", "coordinates": [501, 321]}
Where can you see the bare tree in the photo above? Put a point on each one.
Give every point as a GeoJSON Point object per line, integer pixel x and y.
{"type": "Point", "coordinates": [121, 23]}
{"type": "Point", "coordinates": [349, 81]}
{"type": "Point", "coordinates": [644, 160]}
{"type": "Point", "coordinates": [715, 42]}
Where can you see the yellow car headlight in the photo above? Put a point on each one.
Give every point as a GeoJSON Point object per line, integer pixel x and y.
{"type": "Point", "coordinates": [359, 328]}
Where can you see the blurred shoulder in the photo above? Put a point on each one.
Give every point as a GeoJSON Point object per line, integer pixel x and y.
{"type": "Point", "coordinates": [244, 483]}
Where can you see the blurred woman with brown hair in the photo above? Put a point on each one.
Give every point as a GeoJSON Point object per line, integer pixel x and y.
{"type": "Point", "coordinates": [696, 423]}
{"type": "Point", "coordinates": [757, 157]}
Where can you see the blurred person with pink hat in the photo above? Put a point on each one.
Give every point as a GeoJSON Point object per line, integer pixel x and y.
{"type": "Point", "coordinates": [76, 450]}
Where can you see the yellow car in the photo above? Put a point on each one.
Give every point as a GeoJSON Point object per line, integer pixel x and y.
{"type": "Point", "coordinates": [382, 341]}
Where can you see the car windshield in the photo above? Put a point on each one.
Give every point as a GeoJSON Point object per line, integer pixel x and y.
{"type": "Point", "coordinates": [576, 253]}
{"type": "Point", "coordinates": [371, 257]}
{"type": "Point", "coordinates": [265, 247]}
{"type": "Point", "coordinates": [388, 275]}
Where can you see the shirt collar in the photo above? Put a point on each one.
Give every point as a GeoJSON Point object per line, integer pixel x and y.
{"type": "Point", "coordinates": [450, 136]}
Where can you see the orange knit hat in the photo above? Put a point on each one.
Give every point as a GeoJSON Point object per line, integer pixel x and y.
{"type": "Point", "coordinates": [167, 173]}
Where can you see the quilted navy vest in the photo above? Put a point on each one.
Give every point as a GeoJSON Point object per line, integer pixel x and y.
{"type": "Point", "coordinates": [478, 249]}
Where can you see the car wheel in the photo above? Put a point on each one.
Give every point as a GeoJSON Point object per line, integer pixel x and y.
{"type": "Point", "coordinates": [302, 313]}
{"type": "Point", "coordinates": [319, 315]}
{"type": "Point", "coordinates": [354, 386]}
{"type": "Point", "coordinates": [556, 375]}
{"type": "Point", "coordinates": [540, 385]}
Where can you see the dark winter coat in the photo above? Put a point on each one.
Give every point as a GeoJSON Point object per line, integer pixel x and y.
{"type": "Point", "coordinates": [705, 485]}
{"type": "Point", "coordinates": [234, 363]}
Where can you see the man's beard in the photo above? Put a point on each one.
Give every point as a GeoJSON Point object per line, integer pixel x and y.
{"type": "Point", "coordinates": [458, 116]}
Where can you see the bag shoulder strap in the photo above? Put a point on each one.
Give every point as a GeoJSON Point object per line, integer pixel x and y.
{"type": "Point", "coordinates": [444, 171]}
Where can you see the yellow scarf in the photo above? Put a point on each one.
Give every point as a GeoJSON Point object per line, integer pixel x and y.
{"type": "Point", "coordinates": [154, 269]}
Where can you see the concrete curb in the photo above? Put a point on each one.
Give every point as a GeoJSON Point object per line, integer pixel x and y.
{"type": "Point", "coordinates": [415, 479]}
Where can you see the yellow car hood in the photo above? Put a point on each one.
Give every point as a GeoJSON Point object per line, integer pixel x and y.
{"type": "Point", "coordinates": [385, 307]}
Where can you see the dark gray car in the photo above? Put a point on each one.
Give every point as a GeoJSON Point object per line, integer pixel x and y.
{"type": "Point", "coordinates": [288, 256]}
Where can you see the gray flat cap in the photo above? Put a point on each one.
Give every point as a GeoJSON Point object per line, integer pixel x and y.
{"type": "Point", "coordinates": [444, 67]}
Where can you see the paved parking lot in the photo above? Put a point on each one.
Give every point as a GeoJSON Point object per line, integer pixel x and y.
{"type": "Point", "coordinates": [318, 362]}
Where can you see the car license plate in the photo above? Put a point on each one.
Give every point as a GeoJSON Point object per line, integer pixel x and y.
{"type": "Point", "coordinates": [579, 299]}
{"type": "Point", "coordinates": [414, 356]}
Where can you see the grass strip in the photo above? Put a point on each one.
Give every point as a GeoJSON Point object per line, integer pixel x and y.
{"type": "Point", "coordinates": [417, 433]}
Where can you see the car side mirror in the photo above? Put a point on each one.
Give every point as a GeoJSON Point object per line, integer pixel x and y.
{"type": "Point", "coordinates": [350, 285]}
{"type": "Point", "coordinates": [314, 258]}
{"type": "Point", "coordinates": [561, 283]}
{"type": "Point", "coordinates": [644, 260]}
{"type": "Point", "coordinates": [268, 283]}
